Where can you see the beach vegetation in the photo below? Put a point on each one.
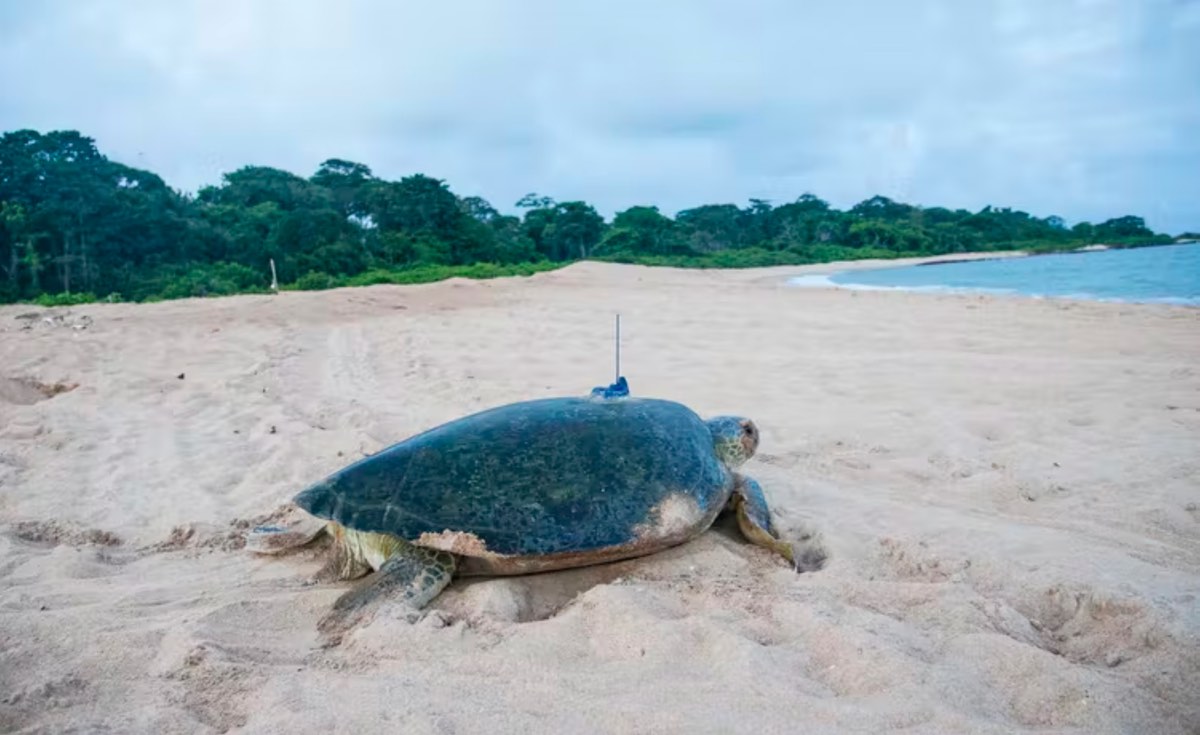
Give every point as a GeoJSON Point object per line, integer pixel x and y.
{"type": "Point", "coordinates": [75, 225]}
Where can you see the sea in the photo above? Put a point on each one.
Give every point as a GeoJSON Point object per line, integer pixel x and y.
{"type": "Point", "coordinates": [1164, 274]}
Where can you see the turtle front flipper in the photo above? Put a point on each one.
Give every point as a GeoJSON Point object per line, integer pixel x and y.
{"type": "Point", "coordinates": [754, 518]}
{"type": "Point", "coordinates": [411, 576]}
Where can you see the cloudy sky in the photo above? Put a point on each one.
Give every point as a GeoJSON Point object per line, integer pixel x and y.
{"type": "Point", "coordinates": [1083, 108]}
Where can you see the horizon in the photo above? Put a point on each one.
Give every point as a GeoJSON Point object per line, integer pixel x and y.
{"type": "Point", "coordinates": [1086, 111]}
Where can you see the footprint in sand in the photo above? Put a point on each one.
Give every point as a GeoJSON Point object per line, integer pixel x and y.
{"type": "Point", "coordinates": [916, 562]}
{"type": "Point", "coordinates": [1087, 627]}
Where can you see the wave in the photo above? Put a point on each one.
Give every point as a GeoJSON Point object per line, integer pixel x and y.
{"type": "Point", "coordinates": [826, 281]}
{"type": "Point", "coordinates": [812, 281]}
{"type": "Point", "coordinates": [1168, 300]}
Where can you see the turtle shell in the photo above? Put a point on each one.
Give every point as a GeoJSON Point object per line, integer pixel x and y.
{"type": "Point", "coordinates": [534, 478]}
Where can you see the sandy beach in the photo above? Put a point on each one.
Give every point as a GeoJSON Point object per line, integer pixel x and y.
{"type": "Point", "coordinates": [1005, 493]}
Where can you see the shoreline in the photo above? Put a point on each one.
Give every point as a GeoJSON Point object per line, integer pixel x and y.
{"type": "Point", "coordinates": [823, 279]}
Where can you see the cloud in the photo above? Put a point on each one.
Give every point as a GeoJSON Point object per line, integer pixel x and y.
{"type": "Point", "coordinates": [1083, 108]}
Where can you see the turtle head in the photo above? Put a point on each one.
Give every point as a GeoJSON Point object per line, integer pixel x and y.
{"type": "Point", "coordinates": [734, 438]}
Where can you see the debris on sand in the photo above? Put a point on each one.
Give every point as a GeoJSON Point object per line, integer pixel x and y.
{"type": "Point", "coordinates": [31, 320]}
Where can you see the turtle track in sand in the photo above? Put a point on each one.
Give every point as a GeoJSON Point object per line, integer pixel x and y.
{"type": "Point", "coordinates": [28, 391]}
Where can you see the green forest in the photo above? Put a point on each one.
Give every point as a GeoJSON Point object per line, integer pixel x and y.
{"type": "Point", "coordinates": [78, 227]}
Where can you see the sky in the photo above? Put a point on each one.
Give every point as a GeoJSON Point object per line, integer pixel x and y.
{"type": "Point", "coordinates": [1085, 109]}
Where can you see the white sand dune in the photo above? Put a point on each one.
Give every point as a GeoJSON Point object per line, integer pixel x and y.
{"type": "Point", "coordinates": [1006, 490]}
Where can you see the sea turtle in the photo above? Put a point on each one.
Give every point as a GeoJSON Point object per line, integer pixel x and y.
{"type": "Point", "coordinates": [527, 487]}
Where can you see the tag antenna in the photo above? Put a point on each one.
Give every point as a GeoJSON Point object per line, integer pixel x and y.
{"type": "Point", "coordinates": [618, 340]}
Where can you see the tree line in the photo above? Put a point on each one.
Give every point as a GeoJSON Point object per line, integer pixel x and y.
{"type": "Point", "coordinates": [76, 226]}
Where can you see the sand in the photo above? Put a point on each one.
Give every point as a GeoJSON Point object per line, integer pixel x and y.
{"type": "Point", "coordinates": [1005, 493]}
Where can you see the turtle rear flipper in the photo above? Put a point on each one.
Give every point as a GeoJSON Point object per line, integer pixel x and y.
{"type": "Point", "coordinates": [754, 519]}
{"type": "Point", "coordinates": [278, 538]}
{"type": "Point", "coordinates": [412, 576]}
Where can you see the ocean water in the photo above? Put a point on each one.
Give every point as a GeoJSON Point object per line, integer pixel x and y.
{"type": "Point", "coordinates": [1167, 274]}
